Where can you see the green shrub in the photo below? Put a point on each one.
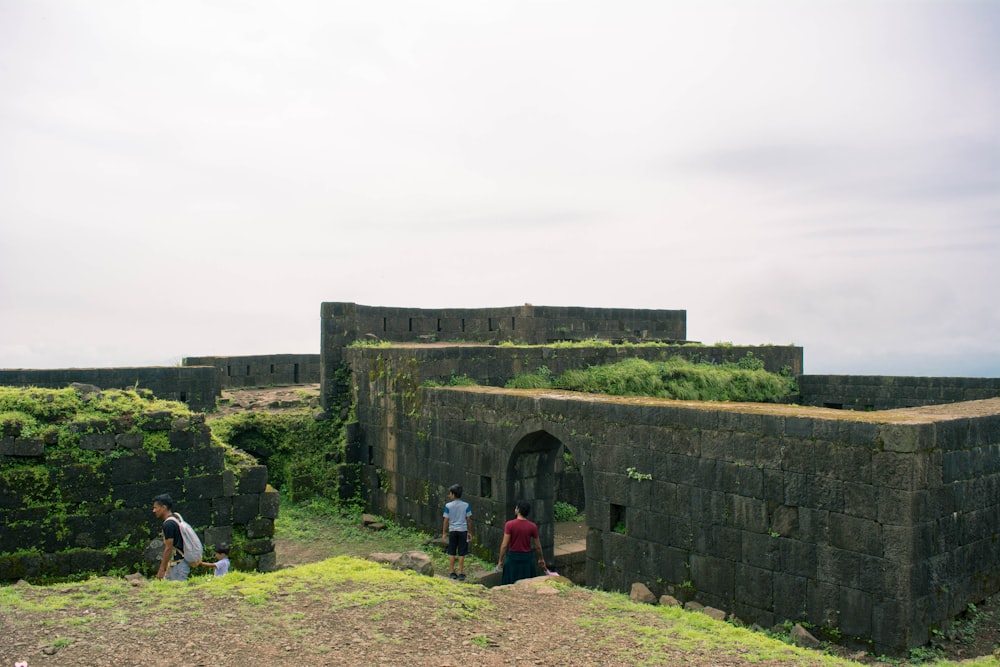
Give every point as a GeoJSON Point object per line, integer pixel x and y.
{"type": "Point", "coordinates": [540, 379]}
{"type": "Point", "coordinates": [564, 512]}
{"type": "Point", "coordinates": [293, 446]}
{"type": "Point", "coordinates": [679, 379]}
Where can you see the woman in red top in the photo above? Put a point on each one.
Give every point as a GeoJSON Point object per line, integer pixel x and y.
{"type": "Point", "coordinates": [518, 534]}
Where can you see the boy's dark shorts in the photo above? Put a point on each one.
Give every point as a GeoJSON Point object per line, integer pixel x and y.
{"type": "Point", "coordinates": [458, 543]}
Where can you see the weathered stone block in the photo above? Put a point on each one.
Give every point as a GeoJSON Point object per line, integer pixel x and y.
{"type": "Point", "coordinates": [181, 438]}
{"type": "Point", "coordinates": [129, 440]}
{"type": "Point", "coordinates": [258, 547]}
{"type": "Point", "coordinates": [216, 536]}
{"type": "Point", "coordinates": [198, 513]}
{"type": "Point", "coordinates": [203, 487]}
{"type": "Point", "coordinates": [270, 503]}
{"type": "Point", "coordinates": [22, 566]}
{"type": "Point", "coordinates": [169, 465]}
{"type": "Point", "coordinates": [206, 459]}
{"type": "Point", "coordinates": [97, 441]}
{"type": "Point", "coordinates": [228, 483]}
{"type": "Point", "coordinates": [81, 482]}
{"type": "Point", "coordinates": [156, 420]}
{"type": "Point", "coordinates": [88, 531]}
{"type": "Point", "coordinates": [126, 523]}
{"type": "Point", "coordinates": [855, 534]}
{"type": "Point", "coordinates": [797, 557]}
{"type": "Point", "coordinates": [761, 551]}
{"type": "Point", "coordinates": [139, 494]}
{"type": "Point", "coordinates": [222, 511]}
{"type": "Point", "coordinates": [253, 480]}
{"type": "Point", "coordinates": [88, 560]}
{"type": "Point", "coordinates": [258, 528]}
{"type": "Point", "coordinates": [129, 469]}
{"type": "Point", "coordinates": [29, 447]}
{"type": "Point", "coordinates": [713, 576]}
{"type": "Point", "coordinates": [246, 506]}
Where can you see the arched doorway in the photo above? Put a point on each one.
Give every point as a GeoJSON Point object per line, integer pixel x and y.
{"type": "Point", "coordinates": [539, 470]}
{"type": "Point", "coordinates": [531, 477]}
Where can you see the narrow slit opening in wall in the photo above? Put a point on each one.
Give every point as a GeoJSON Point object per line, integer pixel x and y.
{"type": "Point", "coordinates": [439, 324]}
{"type": "Point", "coordinates": [485, 487]}
{"type": "Point", "coordinates": [463, 325]}
{"type": "Point", "coordinates": [489, 321]}
{"type": "Point", "coordinates": [617, 515]}
{"type": "Point", "coordinates": [248, 370]}
{"type": "Point", "coordinates": [411, 324]}
{"type": "Point", "coordinates": [371, 455]}
{"type": "Point", "coordinates": [385, 324]}
{"type": "Point", "coordinates": [512, 323]}
{"type": "Point", "coordinates": [229, 371]}
{"type": "Point", "coordinates": [835, 406]}
{"type": "Point", "coordinates": [295, 372]}
{"type": "Point", "coordinates": [184, 397]}
{"type": "Point", "coordinates": [272, 369]}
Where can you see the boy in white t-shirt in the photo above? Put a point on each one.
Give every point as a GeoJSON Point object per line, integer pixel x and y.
{"type": "Point", "coordinates": [457, 530]}
{"type": "Point", "coordinates": [221, 563]}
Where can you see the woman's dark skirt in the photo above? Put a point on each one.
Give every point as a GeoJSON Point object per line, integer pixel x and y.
{"type": "Point", "coordinates": [518, 565]}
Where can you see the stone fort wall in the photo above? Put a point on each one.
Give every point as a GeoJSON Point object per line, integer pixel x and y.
{"type": "Point", "coordinates": [874, 524]}
{"type": "Point", "coordinates": [62, 517]}
{"type": "Point", "coordinates": [262, 370]}
{"type": "Point", "coordinates": [343, 323]}
{"type": "Point", "coordinates": [886, 392]}
{"type": "Point", "coordinates": [196, 386]}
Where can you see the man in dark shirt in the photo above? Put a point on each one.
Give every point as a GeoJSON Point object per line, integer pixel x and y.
{"type": "Point", "coordinates": [173, 567]}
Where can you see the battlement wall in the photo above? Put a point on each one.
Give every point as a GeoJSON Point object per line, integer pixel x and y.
{"type": "Point", "coordinates": [195, 385]}
{"type": "Point", "coordinates": [887, 392]}
{"type": "Point", "coordinates": [263, 370]}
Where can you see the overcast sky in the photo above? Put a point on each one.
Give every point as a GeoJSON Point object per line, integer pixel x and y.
{"type": "Point", "coordinates": [196, 178]}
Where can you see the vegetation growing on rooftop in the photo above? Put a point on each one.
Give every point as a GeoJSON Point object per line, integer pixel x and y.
{"type": "Point", "coordinates": [677, 378]}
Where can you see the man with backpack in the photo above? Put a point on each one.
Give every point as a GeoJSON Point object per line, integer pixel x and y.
{"type": "Point", "coordinates": [178, 554]}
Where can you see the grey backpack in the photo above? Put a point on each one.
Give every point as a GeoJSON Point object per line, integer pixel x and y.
{"type": "Point", "coordinates": [193, 551]}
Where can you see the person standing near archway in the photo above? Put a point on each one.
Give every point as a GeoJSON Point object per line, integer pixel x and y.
{"type": "Point", "coordinates": [518, 535]}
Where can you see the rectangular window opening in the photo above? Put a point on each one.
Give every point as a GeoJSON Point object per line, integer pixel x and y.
{"type": "Point", "coordinates": [248, 370]}
{"type": "Point", "coordinates": [295, 374]}
{"type": "Point", "coordinates": [489, 321]}
{"type": "Point", "coordinates": [229, 371]}
{"type": "Point", "coordinates": [835, 406]}
{"type": "Point", "coordinates": [512, 323]}
{"type": "Point", "coordinates": [385, 324]}
{"type": "Point", "coordinates": [439, 324]}
{"type": "Point", "coordinates": [485, 487]}
{"type": "Point", "coordinates": [411, 324]}
{"type": "Point", "coordinates": [371, 455]}
{"type": "Point", "coordinates": [184, 397]}
{"type": "Point", "coordinates": [272, 369]}
{"type": "Point", "coordinates": [617, 515]}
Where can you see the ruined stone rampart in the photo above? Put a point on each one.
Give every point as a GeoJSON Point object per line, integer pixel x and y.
{"type": "Point", "coordinates": [195, 386]}
{"type": "Point", "coordinates": [875, 525]}
{"type": "Point", "coordinates": [886, 392]}
{"type": "Point", "coordinates": [261, 370]}
{"type": "Point", "coordinates": [63, 514]}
